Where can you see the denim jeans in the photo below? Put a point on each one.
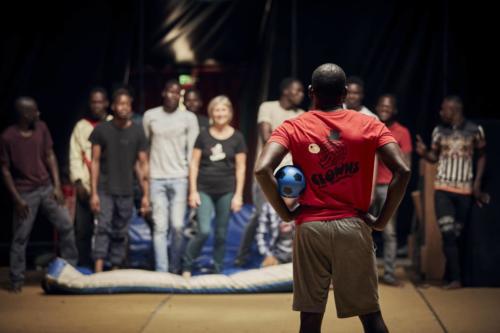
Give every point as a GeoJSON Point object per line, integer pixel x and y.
{"type": "Point", "coordinates": [389, 233]}
{"type": "Point", "coordinates": [42, 199]}
{"type": "Point", "coordinates": [111, 231]}
{"type": "Point", "coordinates": [221, 204]}
{"type": "Point", "coordinates": [169, 203]}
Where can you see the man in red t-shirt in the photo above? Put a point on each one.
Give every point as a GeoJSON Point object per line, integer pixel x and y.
{"type": "Point", "coordinates": [386, 111]}
{"type": "Point", "coordinates": [335, 148]}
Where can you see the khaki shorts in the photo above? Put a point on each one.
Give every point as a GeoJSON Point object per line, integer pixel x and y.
{"type": "Point", "coordinates": [341, 252]}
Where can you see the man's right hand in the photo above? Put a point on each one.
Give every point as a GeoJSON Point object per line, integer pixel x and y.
{"type": "Point", "coordinates": [81, 192]}
{"type": "Point", "coordinates": [370, 220]}
{"type": "Point", "coordinates": [420, 147]}
{"type": "Point", "coordinates": [95, 204]}
{"type": "Point", "coordinates": [22, 209]}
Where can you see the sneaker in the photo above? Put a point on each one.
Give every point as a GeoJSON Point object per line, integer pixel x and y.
{"type": "Point", "coordinates": [391, 281]}
{"type": "Point", "coordinates": [453, 285]}
{"type": "Point", "coordinates": [16, 287]}
{"type": "Point", "coordinates": [186, 275]}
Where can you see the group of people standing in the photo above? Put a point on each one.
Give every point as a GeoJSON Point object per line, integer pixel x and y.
{"type": "Point", "coordinates": [170, 160]}
{"type": "Point", "coordinates": [178, 158]}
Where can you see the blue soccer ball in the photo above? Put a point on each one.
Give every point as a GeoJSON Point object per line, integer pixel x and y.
{"type": "Point", "coordinates": [291, 181]}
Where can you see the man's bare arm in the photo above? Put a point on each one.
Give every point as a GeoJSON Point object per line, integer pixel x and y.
{"type": "Point", "coordinates": [21, 205]}
{"type": "Point", "coordinates": [265, 131]}
{"type": "Point", "coordinates": [431, 155]}
{"type": "Point", "coordinates": [481, 197]}
{"type": "Point", "coordinates": [394, 160]}
{"type": "Point", "coordinates": [54, 172]}
{"type": "Point", "coordinates": [94, 178]}
{"type": "Point", "coordinates": [407, 159]}
{"type": "Point", "coordinates": [142, 173]}
{"type": "Point", "coordinates": [269, 159]}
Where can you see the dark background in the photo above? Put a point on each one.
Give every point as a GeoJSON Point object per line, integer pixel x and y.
{"type": "Point", "coordinates": [418, 50]}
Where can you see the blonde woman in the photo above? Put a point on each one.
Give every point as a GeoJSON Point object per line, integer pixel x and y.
{"type": "Point", "coordinates": [216, 179]}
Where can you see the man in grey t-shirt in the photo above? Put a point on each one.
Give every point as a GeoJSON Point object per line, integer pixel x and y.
{"type": "Point", "coordinates": [171, 133]}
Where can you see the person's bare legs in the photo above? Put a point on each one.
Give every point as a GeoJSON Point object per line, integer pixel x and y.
{"type": "Point", "coordinates": [99, 265]}
{"type": "Point", "coordinates": [373, 323]}
{"type": "Point", "coordinates": [310, 322]}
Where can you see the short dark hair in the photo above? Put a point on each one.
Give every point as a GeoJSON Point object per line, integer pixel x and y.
{"type": "Point", "coordinates": [170, 83]}
{"type": "Point", "coordinates": [356, 80]}
{"type": "Point", "coordinates": [18, 103]}
{"type": "Point", "coordinates": [287, 82]}
{"type": "Point", "coordinates": [193, 90]}
{"type": "Point", "coordinates": [455, 99]}
{"type": "Point", "coordinates": [23, 99]}
{"type": "Point", "coordinates": [120, 92]}
{"type": "Point", "coordinates": [390, 96]}
{"type": "Point", "coordinates": [100, 90]}
{"type": "Point", "coordinates": [328, 82]}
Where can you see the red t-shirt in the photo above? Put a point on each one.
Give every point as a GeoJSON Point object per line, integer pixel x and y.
{"type": "Point", "coordinates": [402, 136]}
{"type": "Point", "coordinates": [336, 152]}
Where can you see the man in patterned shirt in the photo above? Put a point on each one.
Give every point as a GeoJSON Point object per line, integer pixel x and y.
{"type": "Point", "coordinates": [274, 237]}
{"type": "Point", "coordinates": [453, 147]}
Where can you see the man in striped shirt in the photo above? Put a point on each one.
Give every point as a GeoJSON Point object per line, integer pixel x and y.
{"type": "Point", "coordinates": [274, 237]}
{"type": "Point", "coordinates": [453, 147]}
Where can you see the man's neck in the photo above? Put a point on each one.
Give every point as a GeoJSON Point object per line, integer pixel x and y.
{"type": "Point", "coordinates": [25, 129]}
{"type": "Point", "coordinates": [97, 118]}
{"type": "Point", "coordinates": [286, 104]}
{"type": "Point", "coordinates": [121, 123]}
{"type": "Point", "coordinates": [23, 126]}
{"type": "Point", "coordinates": [389, 122]}
{"type": "Point", "coordinates": [169, 110]}
{"type": "Point", "coordinates": [103, 116]}
{"type": "Point", "coordinates": [328, 107]}
{"type": "Point", "coordinates": [458, 121]}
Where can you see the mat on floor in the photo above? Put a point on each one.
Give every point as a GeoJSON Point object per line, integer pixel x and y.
{"type": "Point", "coordinates": [62, 278]}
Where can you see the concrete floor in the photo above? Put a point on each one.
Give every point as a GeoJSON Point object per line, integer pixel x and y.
{"type": "Point", "coordinates": [405, 309]}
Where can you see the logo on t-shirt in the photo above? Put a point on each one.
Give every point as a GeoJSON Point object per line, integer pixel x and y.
{"type": "Point", "coordinates": [331, 154]}
{"type": "Point", "coordinates": [218, 153]}
{"type": "Point", "coordinates": [331, 151]}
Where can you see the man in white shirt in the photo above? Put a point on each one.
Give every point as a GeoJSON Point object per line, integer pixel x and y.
{"type": "Point", "coordinates": [271, 115]}
{"type": "Point", "coordinates": [171, 133]}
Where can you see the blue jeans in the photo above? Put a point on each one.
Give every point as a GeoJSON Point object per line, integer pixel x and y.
{"type": "Point", "coordinates": [169, 202]}
{"type": "Point", "coordinates": [389, 232]}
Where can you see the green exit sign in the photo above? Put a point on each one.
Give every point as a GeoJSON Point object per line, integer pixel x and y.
{"type": "Point", "coordinates": [185, 79]}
